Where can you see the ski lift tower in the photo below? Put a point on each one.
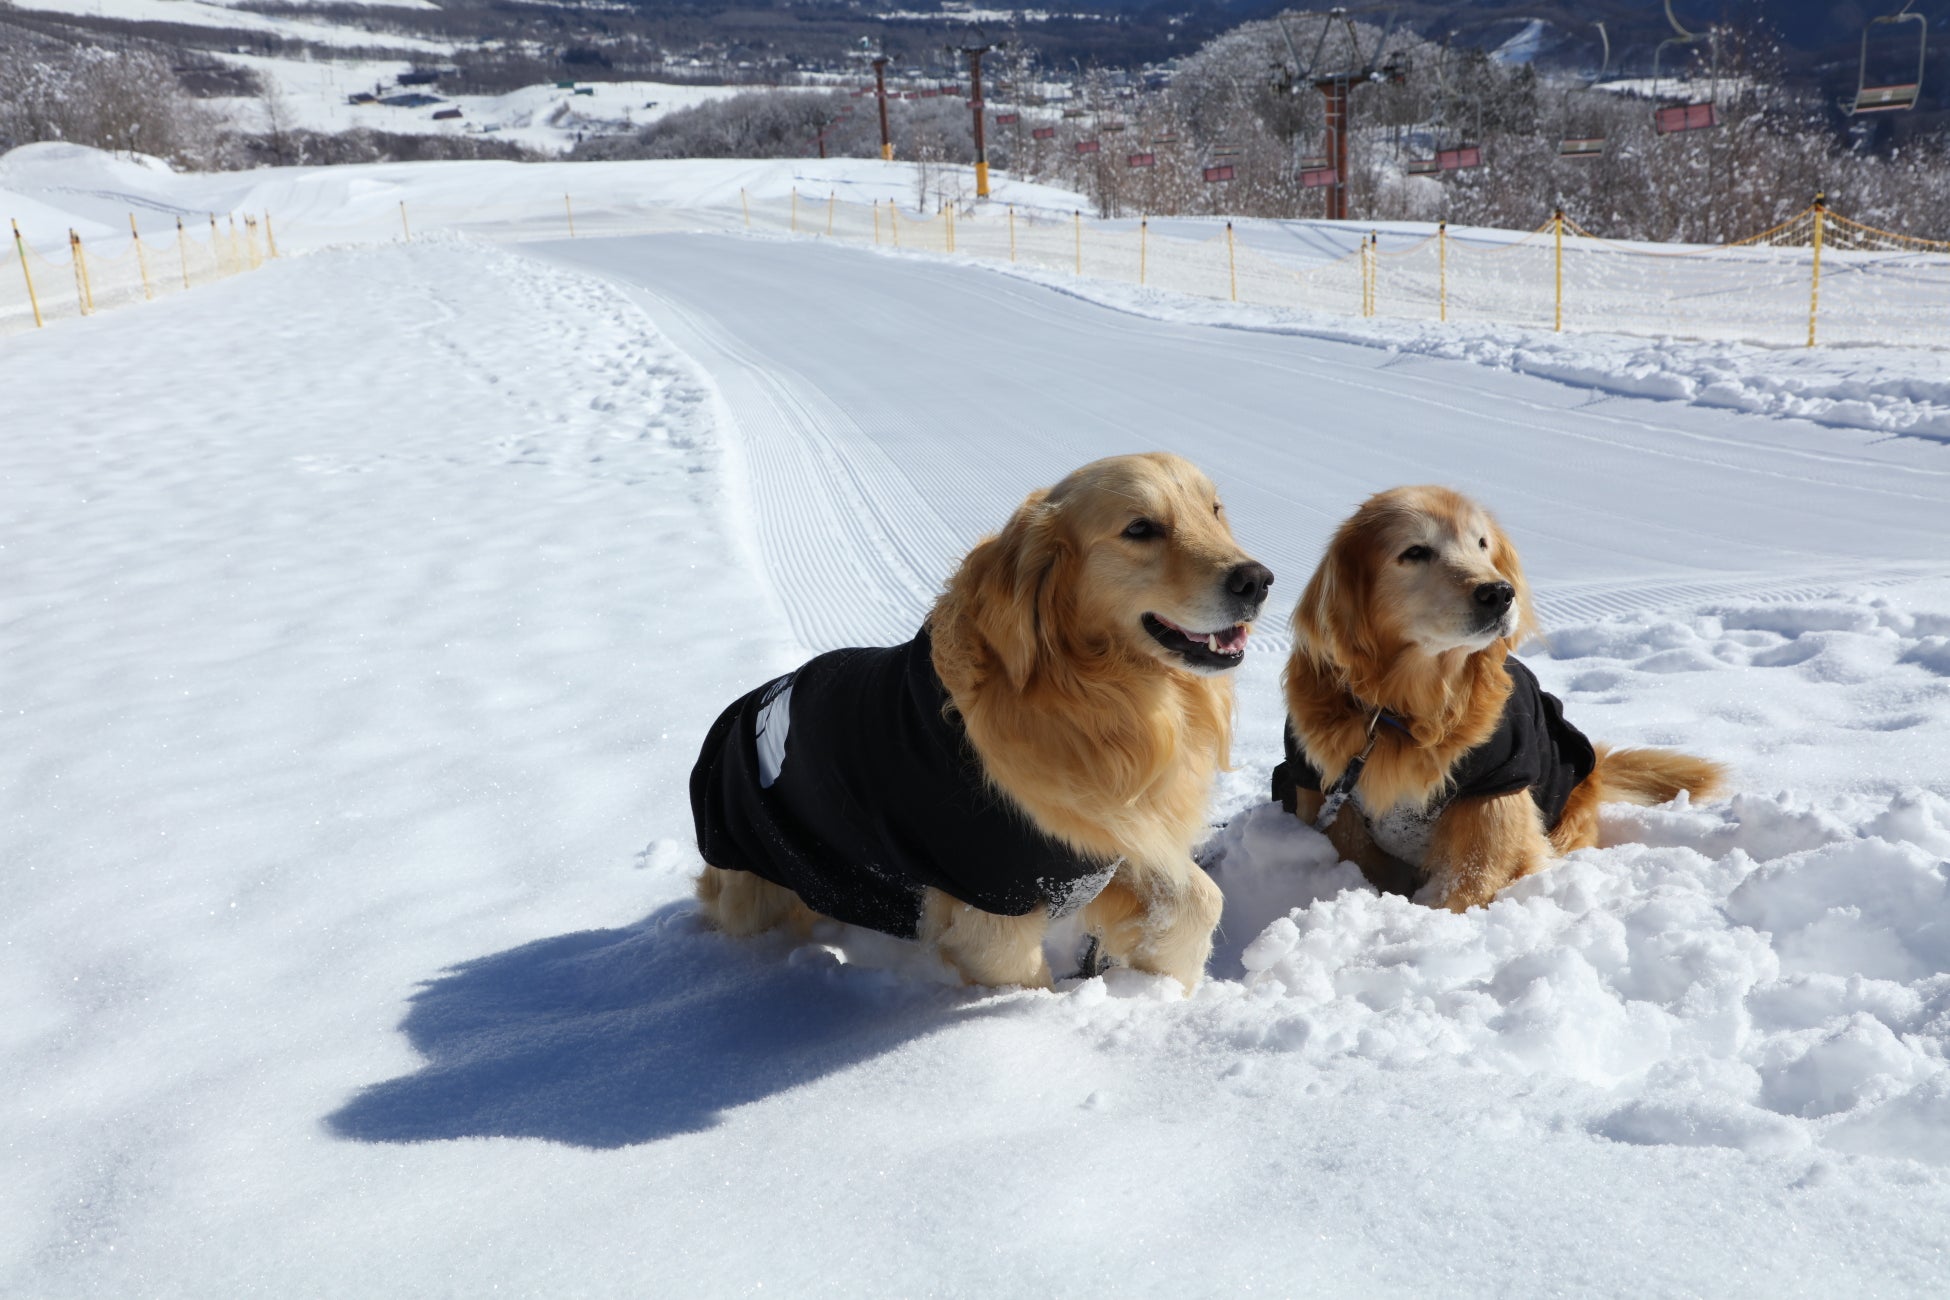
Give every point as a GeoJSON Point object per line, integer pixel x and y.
{"type": "Point", "coordinates": [974, 51]}
{"type": "Point", "coordinates": [1334, 87]}
{"type": "Point", "coordinates": [877, 59]}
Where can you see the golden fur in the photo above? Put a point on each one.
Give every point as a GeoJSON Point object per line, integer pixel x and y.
{"type": "Point", "coordinates": [1103, 737]}
{"type": "Point", "coordinates": [1380, 625]}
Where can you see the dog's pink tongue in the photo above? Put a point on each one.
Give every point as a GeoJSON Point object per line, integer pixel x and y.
{"type": "Point", "coordinates": [1233, 639]}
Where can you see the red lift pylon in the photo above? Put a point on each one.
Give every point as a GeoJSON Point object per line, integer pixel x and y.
{"type": "Point", "coordinates": [1334, 88]}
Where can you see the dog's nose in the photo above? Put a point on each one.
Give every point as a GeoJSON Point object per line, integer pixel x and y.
{"type": "Point", "coordinates": [1250, 580]}
{"type": "Point", "coordinates": [1495, 596]}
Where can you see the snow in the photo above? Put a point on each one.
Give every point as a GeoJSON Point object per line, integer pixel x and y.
{"type": "Point", "coordinates": [211, 13]}
{"type": "Point", "coordinates": [1885, 389]}
{"type": "Point", "coordinates": [364, 613]}
{"type": "Point", "coordinates": [313, 96]}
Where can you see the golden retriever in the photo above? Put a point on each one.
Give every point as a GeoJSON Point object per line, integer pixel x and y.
{"type": "Point", "coordinates": [1402, 652]}
{"type": "Point", "coordinates": [1068, 690]}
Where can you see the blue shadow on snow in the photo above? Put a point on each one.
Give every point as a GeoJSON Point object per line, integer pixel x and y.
{"type": "Point", "coordinates": [607, 1038]}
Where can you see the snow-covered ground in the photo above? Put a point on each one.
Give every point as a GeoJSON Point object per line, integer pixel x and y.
{"type": "Point", "coordinates": [549, 119]}
{"type": "Point", "coordinates": [320, 29]}
{"type": "Point", "coordinates": [1892, 390]}
{"type": "Point", "coordinates": [362, 617]}
{"type": "Point", "coordinates": [311, 93]}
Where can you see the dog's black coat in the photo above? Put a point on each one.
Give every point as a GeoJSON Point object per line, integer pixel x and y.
{"type": "Point", "coordinates": [879, 795]}
{"type": "Point", "coordinates": [1533, 748]}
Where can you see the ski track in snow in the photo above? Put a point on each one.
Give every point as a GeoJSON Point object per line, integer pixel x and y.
{"type": "Point", "coordinates": [351, 690]}
{"type": "Point", "coordinates": [850, 491]}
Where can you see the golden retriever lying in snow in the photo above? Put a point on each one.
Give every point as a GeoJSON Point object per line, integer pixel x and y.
{"type": "Point", "coordinates": [1472, 778]}
{"type": "Point", "coordinates": [1047, 742]}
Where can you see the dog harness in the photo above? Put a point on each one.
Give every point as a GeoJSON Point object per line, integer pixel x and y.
{"type": "Point", "coordinates": [1533, 748]}
{"type": "Point", "coordinates": [851, 782]}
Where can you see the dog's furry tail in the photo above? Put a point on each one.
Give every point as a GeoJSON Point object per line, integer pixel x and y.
{"type": "Point", "coordinates": [1652, 776]}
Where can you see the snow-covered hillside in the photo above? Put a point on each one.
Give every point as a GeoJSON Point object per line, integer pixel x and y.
{"type": "Point", "coordinates": [328, 63]}
{"type": "Point", "coordinates": [364, 613]}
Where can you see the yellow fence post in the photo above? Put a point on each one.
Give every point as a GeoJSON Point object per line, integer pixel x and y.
{"type": "Point", "coordinates": [243, 263]}
{"type": "Point", "coordinates": [250, 242]}
{"type": "Point", "coordinates": [1078, 215]}
{"type": "Point", "coordinates": [948, 213]}
{"type": "Point", "coordinates": [216, 244]}
{"type": "Point", "coordinates": [570, 208]}
{"type": "Point", "coordinates": [1364, 277]}
{"type": "Point", "coordinates": [405, 229]}
{"type": "Point", "coordinates": [183, 252]}
{"type": "Point", "coordinates": [1374, 269]}
{"type": "Point", "coordinates": [1012, 233]}
{"type": "Point", "coordinates": [1144, 231]}
{"type": "Point", "coordinates": [270, 236]}
{"type": "Point", "coordinates": [1232, 265]}
{"type": "Point", "coordinates": [795, 209]}
{"type": "Point", "coordinates": [894, 221]}
{"type": "Point", "coordinates": [1557, 225]}
{"type": "Point", "coordinates": [33, 300]}
{"type": "Point", "coordinates": [1442, 263]}
{"type": "Point", "coordinates": [141, 261]}
{"type": "Point", "coordinates": [83, 291]}
{"type": "Point", "coordinates": [832, 197]}
{"type": "Point", "coordinates": [876, 223]}
{"type": "Point", "coordinates": [746, 204]}
{"type": "Point", "coordinates": [1814, 292]}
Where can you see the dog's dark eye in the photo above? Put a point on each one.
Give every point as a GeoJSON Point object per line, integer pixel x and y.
{"type": "Point", "coordinates": [1142, 530]}
{"type": "Point", "coordinates": [1217, 508]}
{"type": "Point", "coordinates": [1415, 554]}
{"type": "Point", "coordinates": [1483, 542]}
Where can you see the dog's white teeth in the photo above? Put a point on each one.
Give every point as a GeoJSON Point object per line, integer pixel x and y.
{"type": "Point", "coordinates": [1212, 642]}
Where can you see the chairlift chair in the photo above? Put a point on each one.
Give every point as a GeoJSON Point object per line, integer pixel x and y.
{"type": "Point", "coordinates": [1687, 113]}
{"type": "Point", "coordinates": [1587, 147]}
{"type": "Point", "coordinates": [1894, 88]}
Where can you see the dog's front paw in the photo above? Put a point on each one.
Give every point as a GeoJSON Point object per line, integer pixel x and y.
{"type": "Point", "coordinates": [1454, 894]}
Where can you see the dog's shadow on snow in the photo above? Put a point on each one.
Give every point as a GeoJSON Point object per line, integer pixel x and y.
{"type": "Point", "coordinates": [608, 1038]}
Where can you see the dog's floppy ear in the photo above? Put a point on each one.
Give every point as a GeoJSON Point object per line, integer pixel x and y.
{"type": "Point", "coordinates": [1504, 556]}
{"type": "Point", "coordinates": [1009, 591]}
{"type": "Point", "coordinates": [1332, 618]}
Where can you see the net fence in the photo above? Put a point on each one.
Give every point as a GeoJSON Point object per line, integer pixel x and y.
{"type": "Point", "coordinates": [53, 281]}
{"type": "Point", "coordinates": [1817, 277]}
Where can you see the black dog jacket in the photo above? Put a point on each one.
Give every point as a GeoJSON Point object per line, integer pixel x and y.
{"type": "Point", "coordinates": [851, 783]}
{"type": "Point", "coordinates": [1533, 748]}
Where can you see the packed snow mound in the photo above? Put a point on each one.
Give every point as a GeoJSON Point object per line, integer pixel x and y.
{"type": "Point", "coordinates": [1898, 390]}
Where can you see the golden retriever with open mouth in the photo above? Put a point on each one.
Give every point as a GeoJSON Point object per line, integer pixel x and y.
{"type": "Point", "coordinates": [1426, 751]}
{"type": "Point", "coordinates": [1047, 742]}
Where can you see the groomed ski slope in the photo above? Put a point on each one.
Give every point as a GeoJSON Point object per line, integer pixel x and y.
{"type": "Point", "coordinates": [362, 618]}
